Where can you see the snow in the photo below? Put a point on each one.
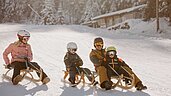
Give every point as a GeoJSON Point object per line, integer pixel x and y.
{"type": "Point", "coordinates": [147, 52]}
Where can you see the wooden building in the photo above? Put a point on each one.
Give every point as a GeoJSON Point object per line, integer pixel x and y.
{"type": "Point", "coordinates": [110, 19]}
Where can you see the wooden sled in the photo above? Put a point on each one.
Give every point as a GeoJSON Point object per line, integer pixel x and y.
{"type": "Point", "coordinates": [120, 81]}
{"type": "Point", "coordinates": [78, 77]}
{"type": "Point", "coordinates": [25, 73]}
{"type": "Point", "coordinates": [81, 77]}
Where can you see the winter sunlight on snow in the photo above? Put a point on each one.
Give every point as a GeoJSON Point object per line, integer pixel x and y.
{"type": "Point", "coordinates": [147, 53]}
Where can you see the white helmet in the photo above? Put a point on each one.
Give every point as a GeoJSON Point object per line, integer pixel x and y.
{"type": "Point", "coordinates": [23, 33]}
{"type": "Point", "coordinates": [71, 45]}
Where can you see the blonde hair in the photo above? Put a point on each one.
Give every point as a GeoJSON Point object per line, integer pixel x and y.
{"type": "Point", "coordinates": [17, 43]}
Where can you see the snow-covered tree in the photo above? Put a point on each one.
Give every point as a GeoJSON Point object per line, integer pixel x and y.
{"type": "Point", "coordinates": [2, 7]}
{"type": "Point", "coordinates": [15, 10]}
{"type": "Point", "coordinates": [114, 6]}
{"type": "Point", "coordinates": [105, 6]}
{"type": "Point", "coordinates": [36, 7]}
{"type": "Point", "coordinates": [92, 9]}
{"type": "Point", "coordinates": [164, 9]}
{"type": "Point", "coordinates": [73, 10]}
{"type": "Point", "coordinates": [49, 13]}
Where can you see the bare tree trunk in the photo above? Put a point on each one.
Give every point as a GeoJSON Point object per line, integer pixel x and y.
{"type": "Point", "coordinates": [2, 10]}
{"type": "Point", "coordinates": [157, 14]}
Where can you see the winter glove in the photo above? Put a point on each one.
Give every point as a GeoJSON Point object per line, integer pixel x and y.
{"type": "Point", "coordinates": [104, 64]}
{"type": "Point", "coordinates": [67, 69]}
{"type": "Point", "coordinates": [78, 63]}
{"type": "Point", "coordinates": [25, 58]}
{"type": "Point", "coordinates": [74, 61]}
{"type": "Point", "coordinates": [8, 66]}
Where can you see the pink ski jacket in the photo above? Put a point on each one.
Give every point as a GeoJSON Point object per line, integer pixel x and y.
{"type": "Point", "coordinates": [18, 52]}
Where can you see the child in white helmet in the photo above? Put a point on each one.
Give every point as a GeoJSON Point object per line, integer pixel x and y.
{"type": "Point", "coordinates": [73, 64]}
{"type": "Point", "coordinates": [72, 61]}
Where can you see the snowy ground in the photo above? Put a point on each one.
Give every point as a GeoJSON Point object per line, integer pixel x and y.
{"type": "Point", "coordinates": [147, 54]}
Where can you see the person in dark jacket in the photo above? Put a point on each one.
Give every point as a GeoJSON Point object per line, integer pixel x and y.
{"type": "Point", "coordinates": [120, 67]}
{"type": "Point", "coordinates": [72, 61]}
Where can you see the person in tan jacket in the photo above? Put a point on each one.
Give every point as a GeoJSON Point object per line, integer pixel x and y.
{"type": "Point", "coordinates": [21, 53]}
{"type": "Point", "coordinates": [97, 57]}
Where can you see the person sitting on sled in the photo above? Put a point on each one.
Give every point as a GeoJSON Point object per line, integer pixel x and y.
{"type": "Point", "coordinates": [97, 57]}
{"type": "Point", "coordinates": [73, 64]}
{"type": "Point", "coordinates": [72, 61]}
{"type": "Point", "coordinates": [120, 67]}
{"type": "Point", "coordinates": [21, 54]}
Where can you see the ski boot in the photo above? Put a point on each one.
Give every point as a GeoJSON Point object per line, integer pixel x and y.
{"type": "Point", "coordinates": [46, 80]}
{"type": "Point", "coordinates": [17, 79]}
{"type": "Point", "coordinates": [139, 86]}
{"type": "Point", "coordinates": [73, 84]}
{"type": "Point", "coordinates": [108, 85]}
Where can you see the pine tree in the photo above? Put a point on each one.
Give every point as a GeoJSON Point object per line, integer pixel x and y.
{"type": "Point", "coordinates": [92, 10]}
{"type": "Point", "coordinates": [169, 10]}
{"type": "Point", "coordinates": [150, 11]}
{"type": "Point", "coordinates": [73, 10]}
{"type": "Point", "coordinates": [15, 10]}
{"type": "Point", "coordinates": [2, 7]}
{"type": "Point", "coordinates": [49, 13]}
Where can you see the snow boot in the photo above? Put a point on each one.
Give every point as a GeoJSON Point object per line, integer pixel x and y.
{"type": "Point", "coordinates": [73, 84]}
{"type": "Point", "coordinates": [108, 85]}
{"type": "Point", "coordinates": [46, 80]}
{"type": "Point", "coordinates": [139, 86]}
{"type": "Point", "coordinates": [72, 81]}
{"type": "Point", "coordinates": [17, 79]}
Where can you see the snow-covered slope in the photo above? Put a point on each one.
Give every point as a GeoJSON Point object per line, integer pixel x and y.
{"type": "Point", "coordinates": [148, 57]}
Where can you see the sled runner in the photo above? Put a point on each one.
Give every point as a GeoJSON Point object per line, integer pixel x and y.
{"type": "Point", "coordinates": [25, 73]}
{"type": "Point", "coordinates": [121, 79]}
{"type": "Point", "coordinates": [84, 72]}
{"type": "Point", "coordinates": [78, 77]}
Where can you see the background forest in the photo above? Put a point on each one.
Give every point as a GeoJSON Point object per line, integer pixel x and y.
{"type": "Point", "coordinates": [53, 12]}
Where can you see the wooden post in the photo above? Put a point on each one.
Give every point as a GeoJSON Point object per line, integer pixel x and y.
{"type": "Point", "coordinates": [157, 15]}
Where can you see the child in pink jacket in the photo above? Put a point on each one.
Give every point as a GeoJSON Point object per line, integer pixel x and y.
{"type": "Point", "coordinates": [20, 54]}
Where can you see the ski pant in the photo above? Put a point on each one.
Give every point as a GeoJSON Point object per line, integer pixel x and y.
{"type": "Point", "coordinates": [102, 72]}
{"type": "Point", "coordinates": [72, 73]}
{"type": "Point", "coordinates": [79, 70]}
{"type": "Point", "coordinates": [18, 66]}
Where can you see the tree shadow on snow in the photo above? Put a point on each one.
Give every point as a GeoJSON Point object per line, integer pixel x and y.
{"type": "Point", "coordinates": [7, 89]}
{"type": "Point", "coordinates": [96, 91]}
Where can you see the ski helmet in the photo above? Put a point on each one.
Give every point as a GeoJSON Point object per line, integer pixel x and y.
{"type": "Point", "coordinates": [110, 50]}
{"type": "Point", "coordinates": [98, 40]}
{"type": "Point", "coordinates": [22, 33]}
{"type": "Point", "coordinates": [71, 45]}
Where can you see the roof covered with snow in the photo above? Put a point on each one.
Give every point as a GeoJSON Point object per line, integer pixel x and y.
{"type": "Point", "coordinates": [119, 12]}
